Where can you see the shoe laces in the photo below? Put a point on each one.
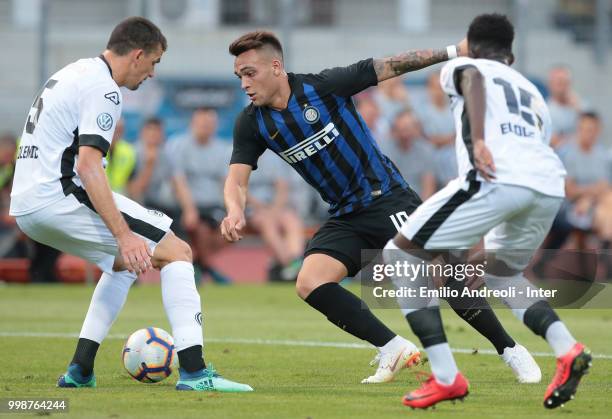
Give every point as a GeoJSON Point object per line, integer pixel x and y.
{"type": "Point", "coordinates": [383, 360]}
{"type": "Point", "coordinates": [211, 372]}
{"type": "Point", "coordinates": [425, 382]}
{"type": "Point", "coordinates": [376, 359]}
{"type": "Point", "coordinates": [561, 366]}
{"type": "Point", "coordinates": [515, 361]}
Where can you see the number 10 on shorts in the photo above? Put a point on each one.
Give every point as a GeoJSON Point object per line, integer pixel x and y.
{"type": "Point", "coordinates": [398, 219]}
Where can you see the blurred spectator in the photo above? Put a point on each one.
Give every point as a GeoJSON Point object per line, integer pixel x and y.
{"type": "Point", "coordinates": [439, 128]}
{"type": "Point", "coordinates": [42, 262]}
{"type": "Point", "coordinates": [587, 185]}
{"type": "Point", "coordinates": [370, 113]}
{"type": "Point", "coordinates": [412, 155]}
{"type": "Point", "coordinates": [12, 242]}
{"type": "Point", "coordinates": [200, 162]}
{"type": "Point", "coordinates": [602, 222]}
{"type": "Point", "coordinates": [120, 160]}
{"type": "Point", "coordinates": [272, 215]}
{"type": "Point", "coordinates": [392, 97]}
{"type": "Point", "coordinates": [8, 148]}
{"type": "Point", "coordinates": [587, 171]}
{"type": "Point", "coordinates": [564, 106]}
{"type": "Point", "coordinates": [9, 233]}
{"type": "Point", "coordinates": [151, 181]}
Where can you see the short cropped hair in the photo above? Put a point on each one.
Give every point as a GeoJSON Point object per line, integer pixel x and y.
{"type": "Point", "coordinates": [256, 40]}
{"type": "Point", "coordinates": [491, 31]}
{"type": "Point", "coordinates": [136, 33]}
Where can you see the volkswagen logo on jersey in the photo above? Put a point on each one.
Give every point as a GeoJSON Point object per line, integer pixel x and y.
{"type": "Point", "coordinates": [310, 114]}
{"type": "Point", "coordinates": [105, 121]}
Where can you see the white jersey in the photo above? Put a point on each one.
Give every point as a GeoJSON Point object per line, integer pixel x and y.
{"type": "Point", "coordinates": [517, 127]}
{"type": "Point", "coordinates": [79, 105]}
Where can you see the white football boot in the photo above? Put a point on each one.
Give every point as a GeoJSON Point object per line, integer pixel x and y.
{"type": "Point", "coordinates": [390, 363]}
{"type": "Point", "coordinates": [522, 363]}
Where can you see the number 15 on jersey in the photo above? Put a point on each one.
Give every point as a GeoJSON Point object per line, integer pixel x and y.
{"type": "Point", "coordinates": [525, 108]}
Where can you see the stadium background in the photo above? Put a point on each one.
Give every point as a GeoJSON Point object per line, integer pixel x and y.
{"type": "Point", "coordinates": [300, 365]}
{"type": "Point", "coordinates": [41, 36]}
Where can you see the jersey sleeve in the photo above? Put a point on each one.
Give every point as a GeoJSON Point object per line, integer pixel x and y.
{"type": "Point", "coordinates": [350, 80]}
{"type": "Point", "coordinates": [450, 75]}
{"type": "Point", "coordinates": [99, 111]}
{"type": "Point", "coordinates": [248, 146]}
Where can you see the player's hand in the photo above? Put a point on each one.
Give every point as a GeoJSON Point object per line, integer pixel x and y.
{"type": "Point", "coordinates": [462, 48]}
{"type": "Point", "coordinates": [232, 226]}
{"type": "Point", "coordinates": [483, 160]}
{"type": "Point", "coordinates": [135, 252]}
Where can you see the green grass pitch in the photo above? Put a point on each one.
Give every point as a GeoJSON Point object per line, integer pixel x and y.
{"type": "Point", "coordinates": [299, 377]}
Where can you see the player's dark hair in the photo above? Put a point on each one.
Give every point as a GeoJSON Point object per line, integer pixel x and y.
{"type": "Point", "coordinates": [490, 34]}
{"type": "Point", "coordinates": [136, 33]}
{"type": "Point", "coordinates": [590, 115]}
{"type": "Point", "coordinates": [256, 40]}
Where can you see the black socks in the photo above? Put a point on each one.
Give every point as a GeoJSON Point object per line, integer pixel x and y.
{"type": "Point", "coordinates": [190, 359]}
{"type": "Point", "coordinates": [349, 313]}
{"type": "Point", "coordinates": [85, 354]}
{"type": "Point", "coordinates": [539, 317]}
{"type": "Point", "coordinates": [477, 312]}
{"type": "Point", "coordinates": [426, 324]}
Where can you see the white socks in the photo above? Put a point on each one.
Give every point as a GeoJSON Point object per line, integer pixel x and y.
{"type": "Point", "coordinates": [179, 294]}
{"type": "Point", "coordinates": [106, 303]}
{"type": "Point", "coordinates": [441, 359]}
{"type": "Point", "coordinates": [557, 335]}
{"type": "Point", "coordinates": [520, 302]}
{"type": "Point", "coordinates": [442, 363]}
{"type": "Point", "coordinates": [182, 303]}
{"type": "Point", "coordinates": [392, 255]}
{"type": "Point", "coordinates": [559, 338]}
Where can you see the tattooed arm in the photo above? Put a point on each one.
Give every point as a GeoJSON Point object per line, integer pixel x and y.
{"type": "Point", "coordinates": [412, 60]}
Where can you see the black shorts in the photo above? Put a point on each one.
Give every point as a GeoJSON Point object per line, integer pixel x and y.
{"type": "Point", "coordinates": [371, 227]}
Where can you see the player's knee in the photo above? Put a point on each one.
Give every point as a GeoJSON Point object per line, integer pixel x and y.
{"type": "Point", "coordinates": [184, 251]}
{"type": "Point", "coordinates": [171, 249]}
{"type": "Point", "coordinates": [304, 285]}
{"type": "Point", "coordinates": [308, 282]}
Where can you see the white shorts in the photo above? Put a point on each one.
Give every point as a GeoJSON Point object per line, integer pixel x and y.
{"type": "Point", "coordinates": [75, 228]}
{"type": "Point", "coordinates": [509, 217]}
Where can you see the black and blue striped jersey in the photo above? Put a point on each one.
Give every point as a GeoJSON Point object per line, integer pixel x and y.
{"type": "Point", "coordinates": [322, 136]}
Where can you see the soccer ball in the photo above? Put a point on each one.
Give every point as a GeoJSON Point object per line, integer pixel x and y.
{"type": "Point", "coordinates": [149, 355]}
